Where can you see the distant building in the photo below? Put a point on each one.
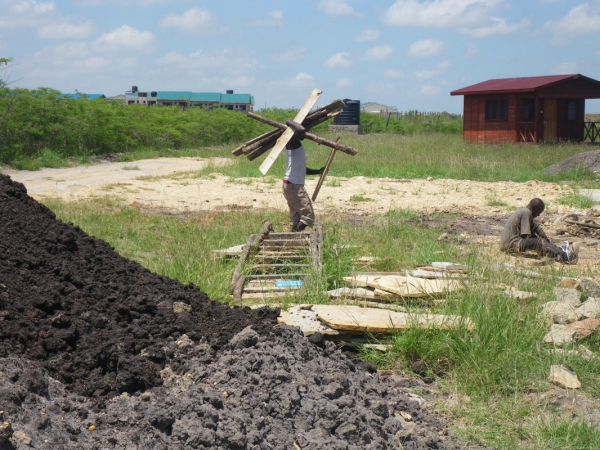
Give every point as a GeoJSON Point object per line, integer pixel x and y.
{"type": "Point", "coordinates": [376, 108]}
{"type": "Point", "coordinates": [529, 109]}
{"type": "Point", "coordinates": [88, 96]}
{"type": "Point", "coordinates": [187, 99]}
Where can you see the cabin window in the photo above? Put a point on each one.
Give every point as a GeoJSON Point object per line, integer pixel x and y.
{"type": "Point", "coordinates": [496, 109]}
{"type": "Point", "coordinates": [572, 110]}
{"type": "Point", "coordinates": [529, 109]}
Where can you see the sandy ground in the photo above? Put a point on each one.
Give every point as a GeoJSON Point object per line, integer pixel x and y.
{"type": "Point", "coordinates": [171, 186]}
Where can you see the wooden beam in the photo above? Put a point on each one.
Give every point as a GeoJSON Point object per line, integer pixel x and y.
{"type": "Point", "coordinates": [313, 137]}
{"type": "Point", "coordinates": [288, 134]}
{"type": "Point", "coordinates": [238, 151]}
{"type": "Point", "coordinates": [324, 174]}
{"type": "Point", "coordinates": [238, 291]}
{"type": "Point", "coordinates": [241, 261]}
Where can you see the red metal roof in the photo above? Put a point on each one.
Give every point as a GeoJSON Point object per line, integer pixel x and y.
{"type": "Point", "coordinates": [525, 84]}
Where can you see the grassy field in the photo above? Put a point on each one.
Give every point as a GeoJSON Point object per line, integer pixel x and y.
{"type": "Point", "coordinates": [382, 155]}
{"type": "Point", "coordinates": [489, 378]}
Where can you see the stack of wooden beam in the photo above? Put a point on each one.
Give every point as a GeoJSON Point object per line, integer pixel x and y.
{"type": "Point", "coordinates": [263, 143]}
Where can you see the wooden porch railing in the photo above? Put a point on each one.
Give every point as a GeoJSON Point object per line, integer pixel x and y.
{"type": "Point", "coordinates": [525, 131]}
{"type": "Point", "coordinates": [591, 131]}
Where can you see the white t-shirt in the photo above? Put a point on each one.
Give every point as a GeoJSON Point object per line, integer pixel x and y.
{"type": "Point", "coordinates": [295, 165]}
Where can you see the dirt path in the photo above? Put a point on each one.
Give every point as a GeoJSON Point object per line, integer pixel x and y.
{"type": "Point", "coordinates": [173, 186]}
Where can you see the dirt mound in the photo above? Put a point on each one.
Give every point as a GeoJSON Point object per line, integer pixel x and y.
{"type": "Point", "coordinates": [582, 161]}
{"type": "Point", "coordinates": [279, 392]}
{"type": "Point", "coordinates": [95, 320]}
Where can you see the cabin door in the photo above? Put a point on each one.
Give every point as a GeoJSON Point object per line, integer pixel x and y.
{"type": "Point", "coordinates": [550, 118]}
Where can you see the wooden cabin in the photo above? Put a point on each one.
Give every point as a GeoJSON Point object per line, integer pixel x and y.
{"type": "Point", "coordinates": [530, 109]}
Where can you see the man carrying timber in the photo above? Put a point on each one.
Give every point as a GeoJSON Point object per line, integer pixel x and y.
{"type": "Point", "coordinates": [301, 210]}
{"type": "Point", "coordinates": [522, 233]}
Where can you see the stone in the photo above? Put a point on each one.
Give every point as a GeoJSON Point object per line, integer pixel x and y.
{"type": "Point", "coordinates": [558, 336]}
{"type": "Point", "coordinates": [589, 287]}
{"type": "Point", "coordinates": [559, 312]}
{"type": "Point", "coordinates": [180, 307]}
{"type": "Point", "coordinates": [22, 437]}
{"type": "Point", "coordinates": [244, 339]}
{"type": "Point", "coordinates": [569, 283]}
{"type": "Point", "coordinates": [589, 308]}
{"type": "Point", "coordinates": [563, 377]}
{"type": "Point", "coordinates": [583, 328]}
{"type": "Point", "coordinates": [5, 432]}
{"type": "Point", "coordinates": [571, 296]}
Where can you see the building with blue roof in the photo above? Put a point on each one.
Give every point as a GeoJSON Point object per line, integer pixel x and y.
{"type": "Point", "coordinates": [188, 99]}
{"type": "Point", "coordinates": [77, 96]}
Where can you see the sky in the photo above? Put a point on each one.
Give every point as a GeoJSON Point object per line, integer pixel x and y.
{"type": "Point", "coordinates": [404, 53]}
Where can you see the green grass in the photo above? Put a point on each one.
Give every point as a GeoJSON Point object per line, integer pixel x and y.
{"type": "Point", "coordinates": [577, 201]}
{"type": "Point", "coordinates": [360, 198]}
{"type": "Point", "coordinates": [497, 368]}
{"type": "Point", "coordinates": [419, 156]}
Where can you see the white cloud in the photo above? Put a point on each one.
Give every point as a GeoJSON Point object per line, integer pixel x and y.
{"type": "Point", "coordinates": [67, 30]}
{"type": "Point", "coordinates": [380, 53]}
{"type": "Point", "coordinates": [430, 90]}
{"type": "Point", "coordinates": [337, 8]}
{"type": "Point", "coordinates": [582, 20]}
{"type": "Point", "coordinates": [95, 3]}
{"type": "Point", "coordinates": [367, 36]}
{"type": "Point", "coordinates": [193, 22]}
{"type": "Point", "coordinates": [565, 69]}
{"type": "Point", "coordinates": [44, 17]}
{"type": "Point", "coordinates": [289, 56]}
{"type": "Point", "coordinates": [472, 51]}
{"type": "Point", "coordinates": [344, 83]}
{"type": "Point", "coordinates": [475, 17]}
{"type": "Point", "coordinates": [274, 19]}
{"type": "Point", "coordinates": [301, 81]}
{"type": "Point", "coordinates": [379, 87]}
{"type": "Point", "coordinates": [499, 26]}
{"type": "Point", "coordinates": [426, 47]}
{"type": "Point", "coordinates": [393, 73]}
{"type": "Point", "coordinates": [125, 39]}
{"type": "Point", "coordinates": [341, 60]}
{"type": "Point", "coordinates": [425, 74]}
{"type": "Point", "coordinates": [228, 59]}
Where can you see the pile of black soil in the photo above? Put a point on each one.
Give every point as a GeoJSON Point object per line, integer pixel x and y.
{"type": "Point", "coordinates": [94, 319]}
{"type": "Point", "coordinates": [96, 352]}
{"type": "Point", "coordinates": [259, 393]}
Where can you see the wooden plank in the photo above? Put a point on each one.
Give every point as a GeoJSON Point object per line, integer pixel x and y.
{"type": "Point", "coordinates": [241, 261]}
{"type": "Point", "coordinates": [275, 276]}
{"type": "Point", "coordinates": [277, 266]}
{"type": "Point", "coordinates": [239, 290]}
{"type": "Point", "coordinates": [263, 295]}
{"type": "Point", "coordinates": [287, 235]}
{"type": "Point", "coordinates": [325, 171]}
{"type": "Point", "coordinates": [288, 133]}
{"type": "Point", "coordinates": [373, 320]}
{"type": "Point", "coordinates": [406, 286]}
{"type": "Point", "coordinates": [306, 319]}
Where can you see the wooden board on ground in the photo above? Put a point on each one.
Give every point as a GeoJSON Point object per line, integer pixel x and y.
{"type": "Point", "coordinates": [287, 134]}
{"type": "Point", "coordinates": [372, 320]}
{"type": "Point", "coordinates": [432, 274]}
{"type": "Point", "coordinates": [361, 293]}
{"type": "Point", "coordinates": [306, 319]}
{"type": "Point", "coordinates": [263, 295]}
{"type": "Point", "coordinates": [406, 286]}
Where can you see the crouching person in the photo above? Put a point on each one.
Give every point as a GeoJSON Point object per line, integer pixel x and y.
{"type": "Point", "coordinates": [522, 233]}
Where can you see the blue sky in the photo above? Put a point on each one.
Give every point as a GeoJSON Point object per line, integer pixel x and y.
{"type": "Point", "coordinates": [406, 53]}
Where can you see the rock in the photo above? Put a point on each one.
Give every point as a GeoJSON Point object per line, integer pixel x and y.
{"type": "Point", "coordinates": [22, 437]}
{"type": "Point", "coordinates": [379, 347]}
{"type": "Point", "coordinates": [589, 287]}
{"type": "Point", "coordinates": [559, 312]}
{"type": "Point", "coordinates": [184, 341]}
{"type": "Point", "coordinates": [244, 339]}
{"type": "Point", "coordinates": [569, 283]}
{"type": "Point", "coordinates": [179, 307]}
{"type": "Point", "coordinates": [5, 432]}
{"type": "Point", "coordinates": [571, 296]}
{"type": "Point", "coordinates": [589, 308]}
{"type": "Point", "coordinates": [429, 178]}
{"type": "Point", "coordinates": [583, 328]}
{"type": "Point", "coordinates": [563, 377]}
{"type": "Point", "coordinates": [558, 336]}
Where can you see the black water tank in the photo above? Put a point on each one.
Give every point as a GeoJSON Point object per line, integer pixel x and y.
{"type": "Point", "coordinates": [134, 89]}
{"type": "Point", "coordinates": [350, 115]}
{"type": "Point", "coordinates": [153, 94]}
{"type": "Point", "coordinates": [229, 91]}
